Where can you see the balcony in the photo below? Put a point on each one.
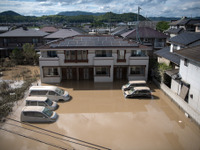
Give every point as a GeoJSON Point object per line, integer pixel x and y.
{"type": "Point", "coordinates": [49, 61]}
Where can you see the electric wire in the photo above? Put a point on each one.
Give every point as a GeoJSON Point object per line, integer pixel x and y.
{"type": "Point", "coordinates": [53, 136]}
{"type": "Point", "coordinates": [28, 137]}
{"type": "Point", "coordinates": [28, 124]}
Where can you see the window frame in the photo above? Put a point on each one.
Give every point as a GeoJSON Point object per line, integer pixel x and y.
{"type": "Point", "coordinates": [107, 70]}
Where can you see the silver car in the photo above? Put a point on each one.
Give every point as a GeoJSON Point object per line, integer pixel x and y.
{"type": "Point", "coordinates": [38, 114]}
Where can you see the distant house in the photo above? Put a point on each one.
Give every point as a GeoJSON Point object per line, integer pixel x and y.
{"type": "Point", "coordinates": [183, 40]}
{"type": "Point", "coordinates": [197, 29]}
{"type": "Point", "coordinates": [4, 29]}
{"type": "Point", "coordinates": [184, 24]}
{"type": "Point", "coordinates": [61, 34]}
{"type": "Point", "coordinates": [147, 36]}
{"type": "Point", "coordinates": [101, 58]}
{"type": "Point", "coordinates": [49, 29]}
{"type": "Point", "coordinates": [16, 38]}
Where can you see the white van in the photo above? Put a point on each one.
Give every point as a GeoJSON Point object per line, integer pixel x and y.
{"type": "Point", "coordinates": [38, 114]}
{"type": "Point", "coordinates": [52, 92]}
{"type": "Point", "coordinates": [41, 101]}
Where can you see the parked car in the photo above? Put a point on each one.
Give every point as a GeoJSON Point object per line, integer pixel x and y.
{"type": "Point", "coordinates": [138, 92]}
{"type": "Point", "coordinates": [38, 114]}
{"type": "Point", "coordinates": [52, 92]}
{"type": "Point", "coordinates": [41, 101]}
{"type": "Point", "coordinates": [132, 84]}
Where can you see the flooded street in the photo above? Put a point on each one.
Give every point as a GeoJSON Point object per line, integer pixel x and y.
{"type": "Point", "coordinates": [99, 114]}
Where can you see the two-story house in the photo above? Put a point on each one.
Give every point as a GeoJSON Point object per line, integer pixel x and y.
{"type": "Point", "coordinates": [16, 38]}
{"type": "Point", "coordinates": [184, 24]}
{"type": "Point", "coordinates": [186, 89]}
{"type": "Point", "coordinates": [102, 58]}
{"type": "Point", "coordinates": [183, 40]}
{"type": "Point", "coordinates": [147, 36]}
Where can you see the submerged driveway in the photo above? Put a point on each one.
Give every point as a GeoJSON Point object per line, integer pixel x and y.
{"type": "Point", "coordinates": [98, 113]}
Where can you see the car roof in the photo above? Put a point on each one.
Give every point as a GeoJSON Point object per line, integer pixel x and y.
{"type": "Point", "coordinates": [142, 88]}
{"type": "Point", "coordinates": [137, 82]}
{"type": "Point", "coordinates": [43, 88]}
{"type": "Point", "coordinates": [33, 108]}
{"type": "Point", "coordinates": [36, 98]}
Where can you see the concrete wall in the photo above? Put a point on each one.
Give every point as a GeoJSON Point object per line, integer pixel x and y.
{"type": "Point", "coordinates": [180, 102]}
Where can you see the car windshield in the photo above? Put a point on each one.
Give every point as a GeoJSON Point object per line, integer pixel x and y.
{"type": "Point", "coordinates": [60, 91]}
{"type": "Point", "coordinates": [128, 84]}
{"type": "Point", "coordinates": [47, 112]}
{"type": "Point", "coordinates": [49, 102]}
{"type": "Point", "coordinates": [131, 90]}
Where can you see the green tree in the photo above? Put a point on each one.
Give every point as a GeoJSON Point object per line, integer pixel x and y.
{"type": "Point", "coordinates": [17, 56]}
{"type": "Point", "coordinates": [162, 26]}
{"type": "Point", "coordinates": [30, 55]}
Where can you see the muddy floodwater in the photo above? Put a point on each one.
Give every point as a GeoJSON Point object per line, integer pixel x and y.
{"type": "Point", "coordinates": [99, 117]}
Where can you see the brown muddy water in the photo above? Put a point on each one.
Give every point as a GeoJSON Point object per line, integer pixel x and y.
{"type": "Point", "coordinates": [99, 114]}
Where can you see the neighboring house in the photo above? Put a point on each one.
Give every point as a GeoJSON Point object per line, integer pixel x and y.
{"type": "Point", "coordinates": [16, 38]}
{"type": "Point", "coordinates": [184, 87]}
{"type": "Point", "coordinates": [183, 40]}
{"type": "Point", "coordinates": [188, 24]}
{"type": "Point", "coordinates": [184, 24]}
{"type": "Point", "coordinates": [147, 36]}
{"type": "Point", "coordinates": [61, 34]}
{"type": "Point", "coordinates": [4, 29]}
{"type": "Point", "coordinates": [49, 29]}
{"type": "Point", "coordinates": [91, 57]}
{"type": "Point", "coordinates": [197, 29]}
{"type": "Point", "coordinates": [174, 32]}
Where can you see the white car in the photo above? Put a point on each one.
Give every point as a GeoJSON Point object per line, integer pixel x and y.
{"type": "Point", "coordinates": [38, 114]}
{"type": "Point", "coordinates": [138, 92]}
{"type": "Point", "coordinates": [134, 83]}
{"type": "Point", "coordinates": [41, 101]}
{"type": "Point", "coordinates": [52, 92]}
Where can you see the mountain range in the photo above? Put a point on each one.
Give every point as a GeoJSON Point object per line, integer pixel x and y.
{"type": "Point", "coordinates": [83, 13]}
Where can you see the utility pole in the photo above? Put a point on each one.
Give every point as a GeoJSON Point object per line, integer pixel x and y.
{"type": "Point", "coordinates": [137, 30]}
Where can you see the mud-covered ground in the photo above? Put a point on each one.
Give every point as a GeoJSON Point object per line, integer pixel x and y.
{"type": "Point", "coordinates": [99, 114]}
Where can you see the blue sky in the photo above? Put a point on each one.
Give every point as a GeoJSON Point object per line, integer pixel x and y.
{"type": "Point", "coordinates": [156, 8]}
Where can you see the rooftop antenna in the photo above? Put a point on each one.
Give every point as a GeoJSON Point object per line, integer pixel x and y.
{"type": "Point", "coordinates": [137, 31]}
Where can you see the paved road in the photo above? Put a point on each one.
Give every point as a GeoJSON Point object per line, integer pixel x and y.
{"type": "Point", "coordinates": [98, 113]}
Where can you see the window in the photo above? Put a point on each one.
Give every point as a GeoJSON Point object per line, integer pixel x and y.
{"type": "Point", "coordinates": [51, 54]}
{"type": "Point", "coordinates": [52, 93]}
{"type": "Point", "coordinates": [76, 56]}
{"type": "Point", "coordinates": [103, 53]}
{"type": "Point", "coordinates": [82, 55]}
{"type": "Point", "coordinates": [136, 53]}
{"type": "Point", "coordinates": [102, 71]}
{"type": "Point", "coordinates": [137, 70]}
{"type": "Point", "coordinates": [35, 40]}
{"type": "Point", "coordinates": [186, 62]}
{"type": "Point", "coordinates": [41, 104]}
{"type": "Point", "coordinates": [175, 47]}
{"type": "Point", "coordinates": [121, 54]}
{"type": "Point", "coordinates": [50, 71]}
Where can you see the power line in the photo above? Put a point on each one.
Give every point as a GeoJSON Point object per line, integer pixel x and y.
{"type": "Point", "coordinates": [53, 136]}
{"type": "Point", "coordinates": [28, 124]}
{"type": "Point", "coordinates": [28, 137]}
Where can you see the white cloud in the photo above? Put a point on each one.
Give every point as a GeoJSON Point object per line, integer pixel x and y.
{"type": "Point", "coordinates": [166, 8]}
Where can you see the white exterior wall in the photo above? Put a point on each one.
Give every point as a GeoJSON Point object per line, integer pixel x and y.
{"type": "Point", "coordinates": [93, 61]}
{"type": "Point", "coordinates": [191, 75]}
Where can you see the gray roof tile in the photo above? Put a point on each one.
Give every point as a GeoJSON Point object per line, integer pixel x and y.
{"type": "Point", "coordinates": [165, 53]}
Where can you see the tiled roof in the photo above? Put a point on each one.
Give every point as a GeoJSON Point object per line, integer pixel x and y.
{"type": "Point", "coordinates": [62, 33]}
{"type": "Point", "coordinates": [184, 21]}
{"type": "Point", "coordinates": [165, 53]}
{"type": "Point", "coordinates": [192, 53]}
{"type": "Point", "coordinates": [49, 29]}
{"type": "Point", "coordinates": [174, 31]}
{"type": "Point", "coordinates": [185, 38]}
{"type": "Point", "coordinates": [90, 41]}
{"type": "Point", "coordinates": [144, 32]}
{"type": "Point", "coordinates": [20, 32]}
